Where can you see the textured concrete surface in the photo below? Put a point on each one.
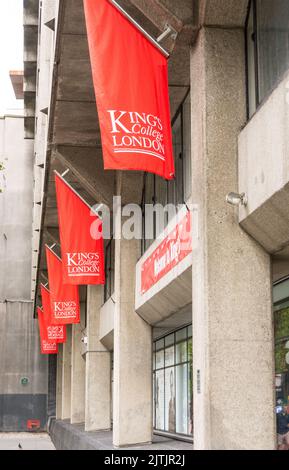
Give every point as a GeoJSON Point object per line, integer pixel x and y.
{"type": "Point", "coordinates": [73, 437]}
{"type": "Point", "coordinates": [66, 375]}
{"type": "Point", "coordinates": [33, 441]}
{"type": "Point", "coordinates": [98, 367]}
{"type": "Point", "coordinates": [233, 363]}
{"type": "Point", "coordinates": [77, 377]}
{"type": "Point", "coordinates": [263, 171]}
{"type": "Point", "coordinates": [16, 182]}
{"type": "Point", "coordinates": [132, 395]}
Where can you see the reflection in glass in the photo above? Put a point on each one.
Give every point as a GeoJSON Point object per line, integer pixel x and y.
{"type": "Point", "coordinates": [181, 352]}
{"type": "Point", "coordinates": [169, 356]}
{"type": "Point", "coordinates": [173, 391]}
{"type": "Point", "coordinates": [159, 399]}
{"type": "Point", "coordinates": [181, 399]}
{"type": "Point", "coordinates": [159, 359]}
{"type": "Point", "coordinates": [170, 417]}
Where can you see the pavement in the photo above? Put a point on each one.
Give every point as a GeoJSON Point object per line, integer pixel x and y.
{"type": "Point", "coordinates": [25, 441]}
{"type": "Point", "coordinates": [68, 436]}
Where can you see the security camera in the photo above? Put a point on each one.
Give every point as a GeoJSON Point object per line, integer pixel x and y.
{"type": "Point", "coordinates": [236, 199]}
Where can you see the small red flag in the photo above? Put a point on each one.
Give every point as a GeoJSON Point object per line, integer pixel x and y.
{"type": "Point", "coordinates": [47, 347]}
{"type": "Point", "coordinates": [64, 299]}
{"type": "Point", "coordinates": [81, 238]}
{"type": "Point", "coordinates": [130, 77]}
{"type": "Point", "coordinates": [54, 332]}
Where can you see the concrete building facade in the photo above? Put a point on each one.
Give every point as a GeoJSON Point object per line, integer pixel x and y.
{"type": "Point", "coordinates": [24, 392]}
{"type": "Point", "coordinates": [192, 355]}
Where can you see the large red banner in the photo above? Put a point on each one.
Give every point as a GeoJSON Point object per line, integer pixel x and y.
{"type": "Point", "coordinates": [54, 332]}
{"type": "Point", "coordinates": [64, 299]}
{"type": "Point", "coordinates": [176, 246]}
{"type": "Point", "coordinates": [47, 347]}
{"type": "Point", "coordinates": [82, 249]}
{"type": "Point", "coordinates": [130, 77]}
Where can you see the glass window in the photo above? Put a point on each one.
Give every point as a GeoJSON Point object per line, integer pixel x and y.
{"type": "Point", "coordinates": [281, 327]}
{"type": "Point", "coordinates": [159, 399]}
{"type": "Point", "coordinates": [158, 191]}
{"type": "Point", "coordinates": [187, 147]}
{"type": "Point", "coordinates": [169, 340]}
{"type": "Point", "coordinates": [169, 356]}
{"type": "Point", "coordinates": [181, 399]}
{"type": "Point", "coordinates": [181, 334]}
{"type": "Point", "coordinates": [170, 406]}
{"type": "Point", "coordinates": [181, 352]}
{"type": "Point", "coordinates": [267, 39]}
{"type": "Point", "coordinates": [172, 384]}
{"type": "Point", "coordinates": [109, 270]}
{"type": "Point", "coordinates": [159, 359]}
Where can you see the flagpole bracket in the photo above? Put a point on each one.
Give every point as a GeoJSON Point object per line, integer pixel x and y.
{"type": "Point", "coordinates": [169, 31]}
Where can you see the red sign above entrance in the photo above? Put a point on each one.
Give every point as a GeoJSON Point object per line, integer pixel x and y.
{"type": "Point", "coordinates": [176, 246]}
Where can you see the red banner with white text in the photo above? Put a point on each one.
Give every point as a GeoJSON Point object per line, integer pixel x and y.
{"type": "Point", "coordinates": [64, 299]}
{"type": "Point", "coordinates": [47, 347]}
{"type": "Point", "coordinates": [81, 238]}
{"type": "Point", "coordinates": [130, 77]}
{"type": "Point", "coordinates": [176, 246]}
{"type": "Point", "coordinates": [54, 332]}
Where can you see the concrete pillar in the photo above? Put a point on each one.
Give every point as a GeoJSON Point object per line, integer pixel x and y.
{"type": "Point", "coordinates": [98, 368]}
{"type": "Point", "coordinates": [77, 373]}
{"type": "Point", "coordinates": [132, 394]}
{"type": "Point", "coordinates": [233, 365]}
{"type": "Point", "coordinates": [59, 370]}
{"type": "Point", "coordinates": [66, 376]}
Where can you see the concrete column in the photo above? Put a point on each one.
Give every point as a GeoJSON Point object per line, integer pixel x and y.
{"type": "Point", "coordinates": [59, 371]}
{"type": "Point", "coordinates": [233, 365]}
{"type": "Point", "coordinates": [98, 368]}
{"type": "Point", "coordinates": [77, 373]}
{"type": "Point", "coordinates": [66, 376]}
{"type": "Point", "coordinates": [132, 394]}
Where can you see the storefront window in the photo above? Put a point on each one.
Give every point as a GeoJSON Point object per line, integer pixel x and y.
{"type": "Point", "coordinates": [281, 327]}
{"type": "Point", "coordinates": [173, 383]}
{"type": "Point", "coordinates": [267, 39]}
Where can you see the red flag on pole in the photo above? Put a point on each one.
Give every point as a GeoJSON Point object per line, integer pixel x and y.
{"type": "Point", "coordinates": [64, 299]}
{"type": "Point", "coordinates": [54, 332]}
{"type": "Point", "coordinates": [47, 347]}
{"type": "Point", "coordinates": [130, 76]}
{"type": "Point", "coordinates": [82, 249]}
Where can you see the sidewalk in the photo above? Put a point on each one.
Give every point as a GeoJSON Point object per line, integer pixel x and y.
{"type": "Point", "coordinates": [25, 441]}
{"type": "Point", "coordinates": [68, 436]}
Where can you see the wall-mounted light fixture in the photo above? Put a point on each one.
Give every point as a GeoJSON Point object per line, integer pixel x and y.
{"type": "Point", "coordinates": [236, 199]}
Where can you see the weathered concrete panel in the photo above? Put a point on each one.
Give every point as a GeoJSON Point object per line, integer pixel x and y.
{"type": "Point", "coordinates": [15, 210]}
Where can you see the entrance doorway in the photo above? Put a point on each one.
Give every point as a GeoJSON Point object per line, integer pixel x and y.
{"type": "Point", "coordinates": [172, 383]}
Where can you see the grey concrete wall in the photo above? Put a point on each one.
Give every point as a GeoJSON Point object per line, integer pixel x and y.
{"type": "Point", "coordinates": [16, 182]}
{"type": "Point", "coordinates": [19, 338]}
{"type": "Point", "coordinates": [20, 357]}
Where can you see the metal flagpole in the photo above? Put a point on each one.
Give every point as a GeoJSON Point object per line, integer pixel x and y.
{"type": "Point", "coordinates": [76, 193]}
{"type": "Point", "coordinates": [53, 252]}
{"type": "Point", "coordinates": [139, 27]}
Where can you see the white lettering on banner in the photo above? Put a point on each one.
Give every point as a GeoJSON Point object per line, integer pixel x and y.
{"type": "Point", "coordinates": [55, 332]}
{"type": "Point", "coordinates": [48, 346]}
{"type": "Point", "coordinates": [79, 264]}
{"type": "Point", "coordinates": [137, 133]}
{"type": "Point", "coordinates": [172, 254]}
{"type": "Point", "coordinates": [65, 309]}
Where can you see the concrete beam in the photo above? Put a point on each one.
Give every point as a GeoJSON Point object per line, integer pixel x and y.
{"type": "Point", "coordinates": [226, 13]}
{"type": "Point", "coordinates": [30, 12]}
